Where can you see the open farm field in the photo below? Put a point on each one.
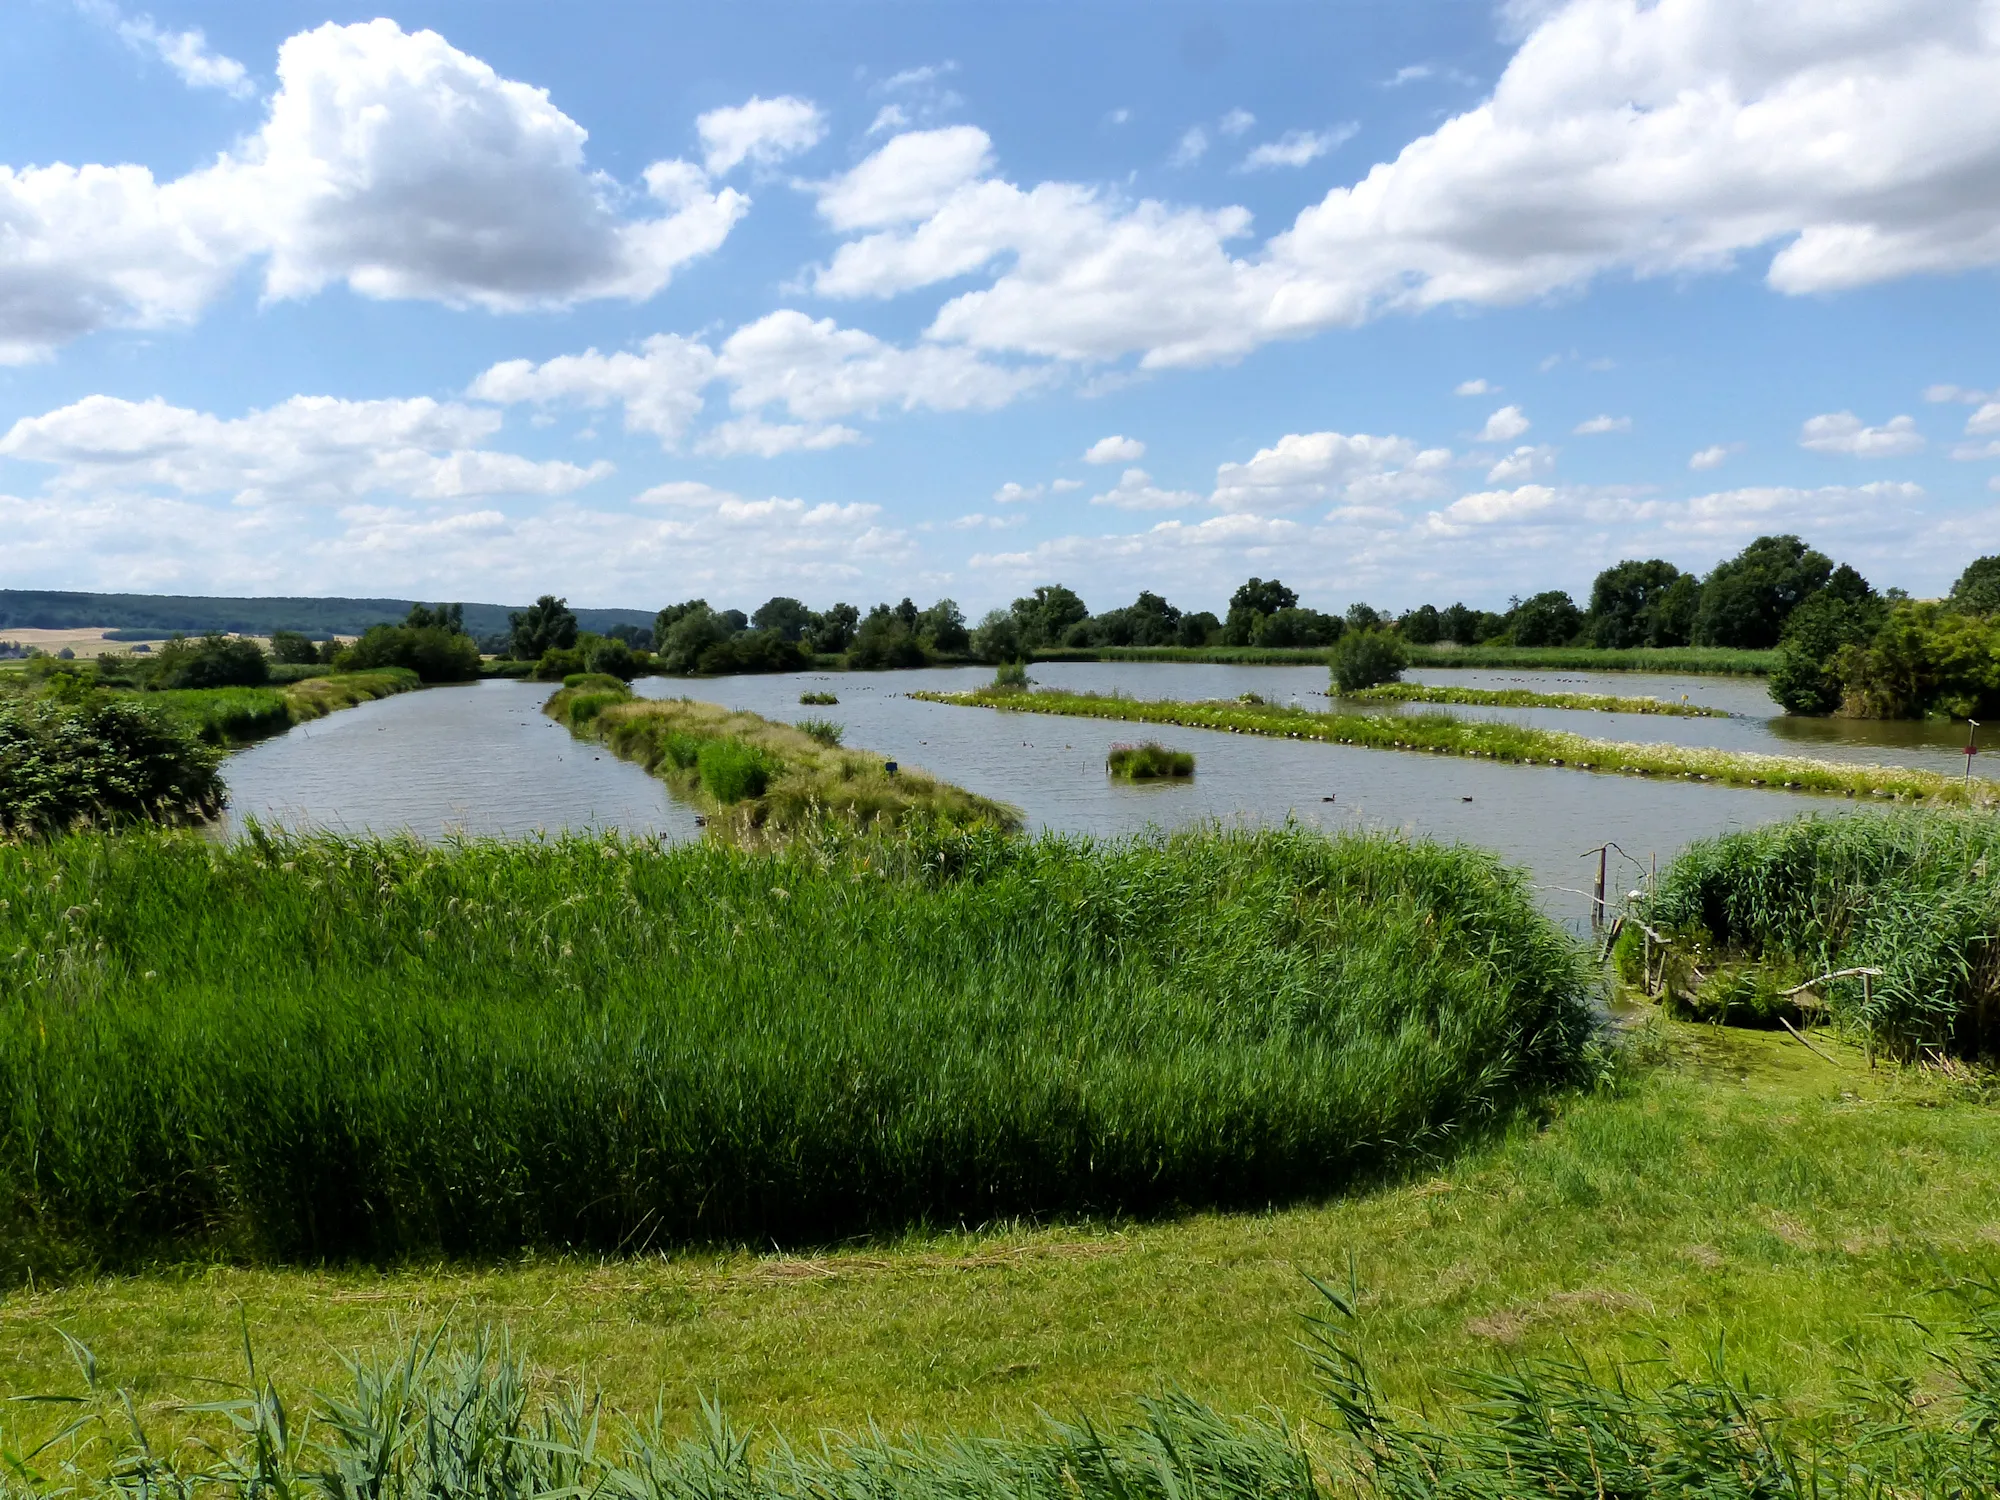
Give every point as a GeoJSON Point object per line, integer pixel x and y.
{"type": "Point", "coordinates": [213, 1050]}
{"type": "Point", "coordinates": [1725, 1189]}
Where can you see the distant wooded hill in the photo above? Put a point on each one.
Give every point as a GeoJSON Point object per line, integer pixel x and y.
{"type": "Point", "coordinates": [37, 609]}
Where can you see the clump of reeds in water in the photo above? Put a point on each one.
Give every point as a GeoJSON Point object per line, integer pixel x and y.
{"type": "Point", "coordinates": [1149, 761]}
{"type": "Point", "coordinates": [826, 731]}
{"type": "Point", "coordinates": [212, 1050]}
{"type": "Point", "coordinates": [1913, 893]}
{"type": "Point", "coordinates": [474, 1419]}
{"type": "Point", "coordinates": [818, 700]}
{"type": "Point", "coordinates": [1011, 677]}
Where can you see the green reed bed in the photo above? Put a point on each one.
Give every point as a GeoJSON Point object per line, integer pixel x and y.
{"type": "Point", "coordinates": [1150, 761]}
{"type": "Point", "coordinates": [1442, 734]}
{"type": "Point", "coordinates": [1713, 660]}
{"type": "Point", "coordinates": [474, 1418]}
{"type": "Point", "coordinates": [1241, 656]}
{"type": "Point", "coordinates": [1915, 894]}
{"type": "Point", "coordinates": [819, 700]}
{"type": "Point", "coordinates": [234, 716]}
{"type": "Point", "coordinates": [1425, 692]}
{"type": "Point", "coordinates": [761, 781]}
{"type": "Point", "coordinates": [298, 1048]}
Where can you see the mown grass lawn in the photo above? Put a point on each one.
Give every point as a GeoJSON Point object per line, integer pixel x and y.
{"type": "Point", "coordinates": [1737, 1189]}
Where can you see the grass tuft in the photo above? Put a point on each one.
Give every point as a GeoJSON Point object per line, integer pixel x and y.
{"type": "Point", "coordinates": [1149, 761]}
{"type": "Point", "coordinates": [818, 700]}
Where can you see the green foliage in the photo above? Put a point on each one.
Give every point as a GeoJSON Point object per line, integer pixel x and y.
{"type": "Point", "coordinates": [558, 665]}
{"type": "Point", "coordinates": [215, 1048]}
{"type": "Point", "coordinates": [1011, 677]}
{"type": "Point", "coordinates": [549, 624]}
{"type": "Point", "coordinates": [284, 673]}
{"type": "Point", "coordinates": [227, 716]}
{"type": "Point", "coordinates": [1636, 603]}
{"type": "Point", "coordinates": [1423, 626]}
{"type": "Point", "coordinates": [888, 639]}
{"type": "Point", "coordinates": [1746, 601]}
{"type": "Point", "coordinates": [818, 700]}
{"type": "Point", "coordinates": [1807, 678]}
{"type": "Point", "coordinates": [449, 618]}
{"type": "Point", "coordinates": [732, 771]}
{"type": "Point", "coordinates": [1923, 659]}
{"type": "Point", "coordinates": [787, 617]}
{"type": "Point", "coordinates": [433, 652]}
{"type": "Point", "coordinates": [1296, 628]}
{"type": "Point", "coordinates": [1978, 588]}
{"type": "Point", "coordinates": [585, 695]}
{"type": "Point", "coordinates": [292, 649]}
{"type": "Point", "coordinates": [90, 757]}
{"type": "Point", "coordinates": [998, 638]}
{"type": "Point", "coordinates": [826, 731]}
{"type": "Point", "coordinates": [1915, 894]}
{"type": "Point", "coordinates": [1044, 617]}
{"type": "Point", "coordinates": [1366, 659]}
{"type": "Point", "coordinates": [1250, 605]}
{"type": "Point", "coordinates": [1149, 761]}
{"type": "Point", "coordinates": [1696, 660]}
{"type": "Point", "coordinates": [213, 661]}
{"type": "Point", "coordinates": [832, 630]}
{"type": "Point", "coordinates": [613, 658]}
{"type": "Point", "coordinates": [1550, 618]}
{"type": "Point", "coordinates": [665, 621]}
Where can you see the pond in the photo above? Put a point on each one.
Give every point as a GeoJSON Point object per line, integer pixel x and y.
{"type": "Point", "coordinates": [482, 760]}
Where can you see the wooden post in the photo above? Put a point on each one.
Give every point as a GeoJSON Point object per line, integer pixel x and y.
{"type": "Point", "coordinates": [1868, 982]}
{"type": "Point", "coordinates": [1603, 856]}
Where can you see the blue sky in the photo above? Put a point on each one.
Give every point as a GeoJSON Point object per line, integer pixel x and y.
{"type": "Point", "coordinates": [1401, 303]}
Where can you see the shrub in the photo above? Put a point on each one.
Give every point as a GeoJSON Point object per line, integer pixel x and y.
{"type": "Point", "coordinates": [611, 657]}
{"type": "Point", "coordinates": [824, 730]}
{"type": "Point", "coordinates": [434, 653]}
{"type": "Point", "coordinates": [1012, 677]}
{"type": "Point", "coordinates": [1366, 659]}
{"type": "Point", "coordinates": [818, 700]}
{"type": "Point", "coordinates": [732, 771]}
{"type": "Point", "coordinates": [100, 759]}
{"type": "Point", "coordinates": [213, 661]}
{"type": "Point", "coordinates": [1150, 761]}
{"type": "Point", "coordinates": [559, 664]}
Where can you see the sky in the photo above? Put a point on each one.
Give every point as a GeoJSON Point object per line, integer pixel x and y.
{"type": "Point", "coordinates": [1402, 301]}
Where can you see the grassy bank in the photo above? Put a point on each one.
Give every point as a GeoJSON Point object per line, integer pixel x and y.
{"type": "Point", "coordinates": [1914, 895]}
{"type": "Point", "coordinates": [1739, 1192]}
{"type": "Point", "coordinates": [1443, 735]}
{"type": "Point", "coordinates": [213, 1049]}
{"type": "Point", "coordinates": [1714, 660]}
{"type": "Point", "coordinates": [1419, 692]}
{"type": "Point", "coordinates": [234, 716]}
{"type": "Point", "coordinates": [761, 781]}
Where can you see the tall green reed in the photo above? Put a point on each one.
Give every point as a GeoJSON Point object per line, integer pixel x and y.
{"type": "Point", "coordinates": [299, 1048]}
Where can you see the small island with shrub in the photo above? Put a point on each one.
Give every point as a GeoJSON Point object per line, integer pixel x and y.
{"type": "Point", "coordinates": [1150, 761]}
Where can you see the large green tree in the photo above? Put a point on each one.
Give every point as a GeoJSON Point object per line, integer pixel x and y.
{"type": "Point", "coordinates": [1045, 616]}
{"type": "Point", "coordinates": [1746, 601]}
{"type": "Point", "coordinates": [1978, 588]}
{"type": "Point", "coordinates": [545, 625]}
{"type": "Point", "coordinates": [1251, 605]}
{"type": "Point", "coordinates": [1549, 618]}
{"type": "Point", "coordinates": [1625, 604]}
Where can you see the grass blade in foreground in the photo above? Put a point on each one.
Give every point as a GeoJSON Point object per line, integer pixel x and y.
{"type": "Point", "coordinates": [1446, 735]}
{"type": "Point", "coordinates": [296, 1048]}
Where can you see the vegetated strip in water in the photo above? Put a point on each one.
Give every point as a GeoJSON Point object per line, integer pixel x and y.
{"type": "Point", "coordinates": [1444, 735]}
{"type": "Point", "coordinates": [1150, 761]}
{"type": "Point", "coordinates": [1423, 692]}
{"type": "Point", "coordinates": [1241, 656]}
{"type": "Point", "coordinates": [218, 1050]}
{"type": "Point", "coordinates": [762, 781]}
{"type": "Point", "coordinates": [433, 1418]}
{"type": "Point", "coordinates": [1914, 894]}
{"type": "Point", "coordinates": [233, 716]}
{"type": "Point", "coordinates": [1719, 661]}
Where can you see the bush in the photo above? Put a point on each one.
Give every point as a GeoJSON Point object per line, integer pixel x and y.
{"type": "Point", "coordinates": [434, 653]}
{"type": "Point", "coordinates": [1366, 659]}
{"type": "Point", "coordinates": [1150, 761]}
{"type": "Point", "coordinates": [1012, 677]}
{"type": "Point", "coordinates": [824, 730]}
{"type": "Point", "coordinates": [213, 661]}
{"type": "Point", "coordinates": [292, 649]}
{"type": "Point", "coordinates": [100, 759]}
{"type": "Point", "coordinates": [559, 665]}
{"type": "Point", "coordinates": [612, 657]}
{"type": "Point", "coordinates": [818, 700]}
{"type": "Point", "coordinates": [732, 771]}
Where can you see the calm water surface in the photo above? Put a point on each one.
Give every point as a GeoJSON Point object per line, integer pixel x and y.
{"type": "Point", "coordinates": [482, 760]}
{"type": "Point", "coordinates": [477, 760]}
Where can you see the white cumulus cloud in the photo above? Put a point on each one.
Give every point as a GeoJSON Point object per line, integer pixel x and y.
{"type": "Point", "coordinates": [187, 52]}
{"type": "Point", "coordinates": [1711, 457]}
{"type": "Point", "coordinates": [659, 387]}
{"type": "Point", "coordinates": [911, 177]}
{"type": "Point", "coordinates": [1135, 490]}
{"type": "Point", "coordinates": [1504, 425]}
{"type": "Point", "coordinates": [1191, 148]}
{"type": "Point", "coordinates": [1114, 450]}
{"type": "Point", "coordinates": [1602, 424]}
{"type": "Point", "coordinates": [1295, 148]}
{"type": "Point", "coordinates": [1843, 432]}
{"type": "Point", "coordinates": [1312, 467]}
{"type": "Point", "coordinates": [1476, 387]}
{"type": "Point", "coordinates": [764, 131]}
{"type": "Point", "coordinates": [1525, 462]}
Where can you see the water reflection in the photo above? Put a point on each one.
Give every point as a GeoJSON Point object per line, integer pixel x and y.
{"type": "Point", "coordinates": [475, 760]}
